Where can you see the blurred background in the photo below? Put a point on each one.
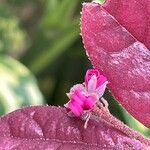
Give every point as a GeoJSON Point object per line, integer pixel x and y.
{"type": "Point", "coordinates": [42, 55]}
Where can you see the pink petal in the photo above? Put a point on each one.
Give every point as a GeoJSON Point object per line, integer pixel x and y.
{"type": "Point", "coordinates": [77, 87]}
{"type": "Point", "coordinates": [100, 90]}
{"type": "Point", "coordinates": [89, 74]}
{"type": "Point", "coordinates": [89, 102]}
{"type": "Point", "coordinates": [92, 83]}
{"type": "Point", "coordinates": [78, 98]}
{"type": "Point", "coordinates": [101, 80]}
{"type": "Point", "coordinates": [75, 108]}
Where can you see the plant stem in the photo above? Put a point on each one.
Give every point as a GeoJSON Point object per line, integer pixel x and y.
{"type": "Point", "coordinates": [105, 115]}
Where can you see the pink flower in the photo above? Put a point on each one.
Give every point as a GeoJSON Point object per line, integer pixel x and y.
{"type": "Point", "coordinates": [95, 82]}
{"type": "Point", "coordinates": [84, 96]}
{"type": "Point", "coordinates": [79, 100]}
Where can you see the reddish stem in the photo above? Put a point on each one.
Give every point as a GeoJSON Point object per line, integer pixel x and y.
{"type": "Point", "coordinates": [105, 115]}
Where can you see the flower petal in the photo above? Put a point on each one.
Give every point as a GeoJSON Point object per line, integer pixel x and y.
{"type": "Point", "coordinates": [76, 87]}
{"type": "Point", "coordinates": [100, 90]}
{"type": "Point", "coordinates": [75, 108]}
{"type": "Point", "coordinates": [92, 83]}
{"type": "Point", "coordinates": [89, 102]}
{"type": "Point", "coordinates": [101, 80]}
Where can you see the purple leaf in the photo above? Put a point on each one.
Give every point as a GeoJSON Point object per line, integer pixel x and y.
{"type": "Point", "coordinates": [44, 127]}
{"type": "Point", "coordinates": [114, 50]}
{"type": "Point", "coordinates": [133, 15]}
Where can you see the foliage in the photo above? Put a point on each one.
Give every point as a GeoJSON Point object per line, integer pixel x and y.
{"type": "Point", "coordinates": [18, 86]}
{"type": "Point", "coordinates": [43, 35]}
{"type": "Point", "coordinates": [9, 27]}
{"type": "Point", "coordinates": [49, 127]}
{"type": "Point", "coordinates": [120, 54]}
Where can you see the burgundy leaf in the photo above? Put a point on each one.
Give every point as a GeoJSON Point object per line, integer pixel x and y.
{"type": "Point", "coordinates": [134, 15]}
{"type": "Point", "coordinates": [44, 127]}
{"type": "Point", "coordinates": [116, 52]}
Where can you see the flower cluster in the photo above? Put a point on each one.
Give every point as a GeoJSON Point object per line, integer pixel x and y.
{"type": "Point", "coordinates": [84, 96]}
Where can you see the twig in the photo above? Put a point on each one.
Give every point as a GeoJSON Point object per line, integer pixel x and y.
{"type": "Point", "coordinates": [105, 115]}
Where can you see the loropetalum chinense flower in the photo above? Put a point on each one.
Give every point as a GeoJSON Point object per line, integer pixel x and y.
{"type": "Point", "coordinates": [84, 96]}
{"type": "Point", "coordinates": [95, 83]}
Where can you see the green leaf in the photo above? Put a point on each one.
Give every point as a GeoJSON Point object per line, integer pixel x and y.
{"type": "Point", "coordinates": [11, 36]}
{"type": "Point", "coordinates": [135, 124]}
{"type": "Point", "coordinates": [18, 86]}
{"type": "Point", "coordinates": [48, 55]}
{"type": "Point", "coordinates": [99, 1]}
